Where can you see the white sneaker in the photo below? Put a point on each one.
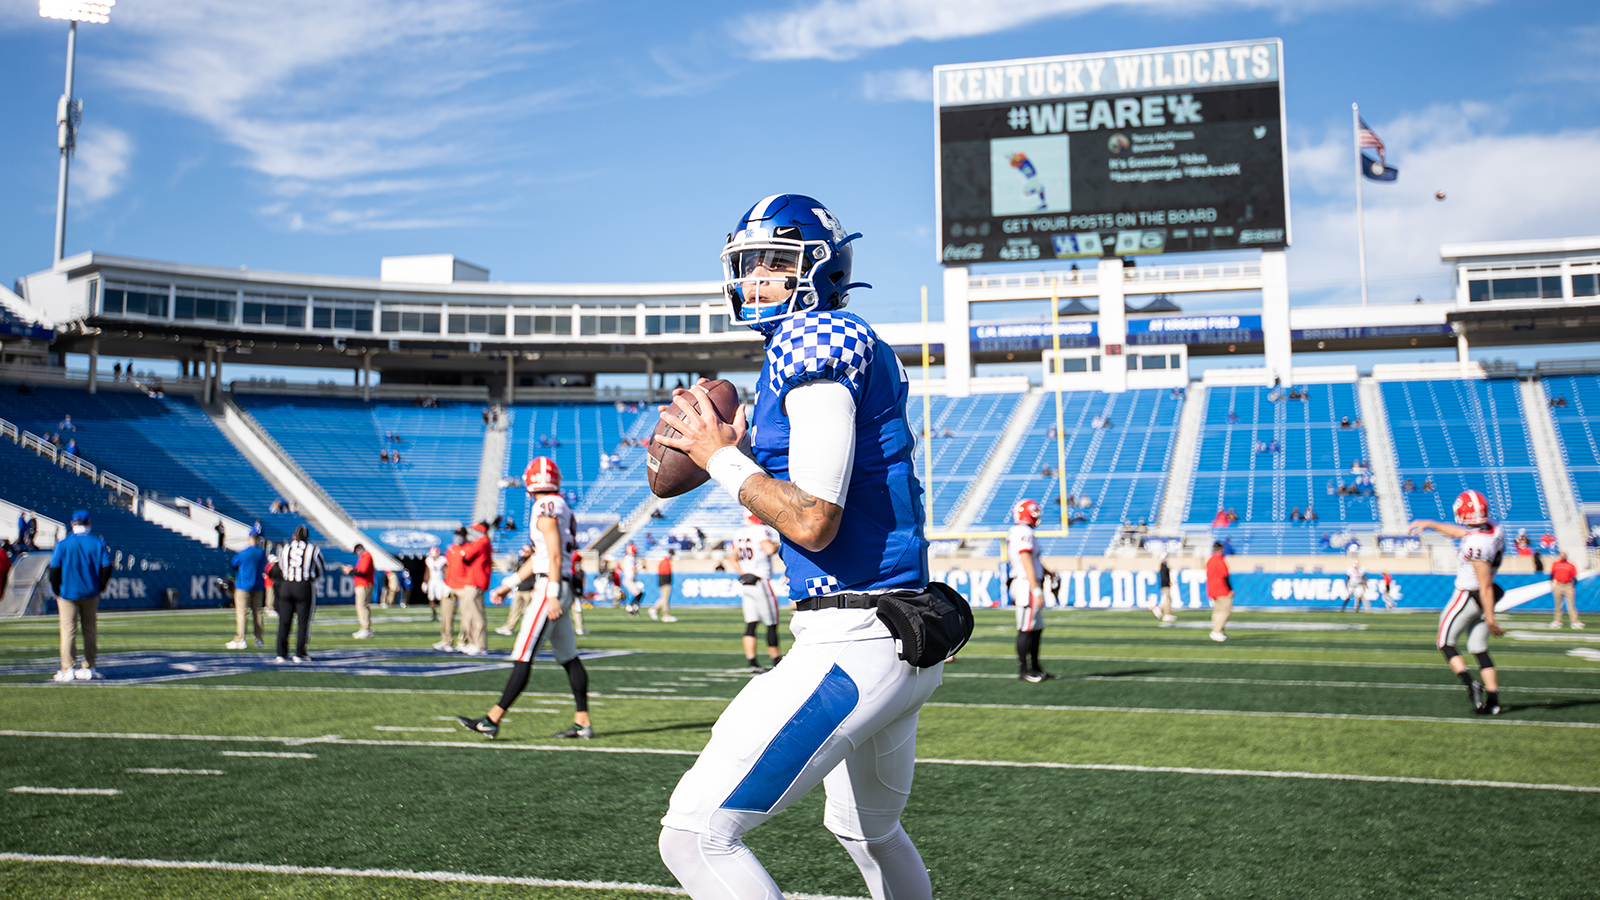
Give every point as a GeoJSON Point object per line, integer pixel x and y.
{"type": "Point", "coordinates": [363, 634]}
{"type": "Point", "coordinates": [87, 674]}
{"type": "Point", "coordinates": [653, 616]}
{"type": "Point", "coordinates": [1155, 611]}
{"type": "Point", "coordinates": [281, 660]}
{"type": "Point", "coordinates": [1218, 636]}
{"type": "Point", "coordinates": [259, 644]}
{"type": "Point", "coordinates": [1577, 626]}
{"type": "Point", "coordinates": [1556, 624]}
{"type": "Point", "coordinates": [236, 645]}
{"type": "Point", "coordinates": [503, 630]}
{"type": "Point", "coordinates": [297, 660]}
{"type": "Point", "coordinates": [469, 650]}
{"type": "Point", "coordinates": [63, 677]}
{"type": "Point", "coordinates": [580, 632]}
{"type": "Point", "coordinates": [442, 646]}
{"type": "Point", "coordinates": [669, 618]}
{"type": "Point", "coordinates": [1169, 618]}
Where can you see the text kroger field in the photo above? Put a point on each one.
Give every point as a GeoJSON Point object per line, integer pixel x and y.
{"type": "Point", "coordinates": [1305, 757]}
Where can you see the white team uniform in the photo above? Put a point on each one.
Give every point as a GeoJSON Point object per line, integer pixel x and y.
{"type": "Point", "coordinates": [1021, 538]}
{"type": "Point", "coordinates": [536, 624]}
{"type": "Point", "coordinates": [437, 589]}
{"type": "Point", "coordinates": [1464, 615]}
{"type": "Point", "coordinates": [1356, 582]}
{"type": "Point", "coordinates": [760, 603]}
{"type": "Point", "coordinates": [630, 576]}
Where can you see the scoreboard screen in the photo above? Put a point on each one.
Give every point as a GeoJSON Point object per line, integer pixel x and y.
{"type": "Point", "coordinates": [1177, 149]}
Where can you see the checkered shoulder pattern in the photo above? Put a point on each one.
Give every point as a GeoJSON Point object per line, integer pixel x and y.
{"type": "Point", "coordinates": [821, 345]}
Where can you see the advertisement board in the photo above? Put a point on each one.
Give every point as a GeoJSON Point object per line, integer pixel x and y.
{"type": "Point", "coordinates": [1177, 149]}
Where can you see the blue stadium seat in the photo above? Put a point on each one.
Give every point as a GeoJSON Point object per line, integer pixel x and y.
{"type": "Point", "coordinates": [1263, 487]}
{"type": "Point", "coordinates": [1578, 429]}
{"type": "Point", "coordinates": [1466, 434]}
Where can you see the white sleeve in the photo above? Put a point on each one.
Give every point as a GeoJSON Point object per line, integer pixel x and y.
{"type": "Point", "coordinates": [822, 439]}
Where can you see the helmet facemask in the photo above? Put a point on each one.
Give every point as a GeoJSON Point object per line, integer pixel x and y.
{"type": "Point", "coordinates": [767, 277]}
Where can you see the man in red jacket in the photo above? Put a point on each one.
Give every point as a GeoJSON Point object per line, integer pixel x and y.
{"type": "Point", "coordinates": [1219, 587]}
{"type": "Point", "coordinates": [455, 578]}
{"type": "Point", "coordinates": [477, 558]}
{"type": "Point", "coordinates": [1563, 586]}
{"type": "Point", "coordinates": [364, 574]}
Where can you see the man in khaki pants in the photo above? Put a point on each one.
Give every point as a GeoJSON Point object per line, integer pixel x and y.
{"type": "Point", "coordinates": [363, 573]}
{"type": "Point", "coordinates": [80, 567]}
{"type": "Point", "coordinates": [521, 596]}
{"type": "Point", "coordinates": [477, 558]}
{"type": "Point", "coordinates": [455, 578]}
{"type": "Point", "coordinates": [249, 591]}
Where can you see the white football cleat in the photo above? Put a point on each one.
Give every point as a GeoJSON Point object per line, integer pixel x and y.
{"type": "Point", "coordinates": [236, 645]}
{"type": "Point", "coordinates": [62, 677]}
{"type": "Point", "coordinates": [1219, 637]}
{"type": "Point", "coordinates": [363, 634]}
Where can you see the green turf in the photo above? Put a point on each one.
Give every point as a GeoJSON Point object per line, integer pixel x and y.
{"type": "Point", "coordinates": [1374, 702]}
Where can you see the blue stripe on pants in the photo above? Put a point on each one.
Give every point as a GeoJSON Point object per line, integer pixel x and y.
{"type": "Point", "coordinates": [796, 742]}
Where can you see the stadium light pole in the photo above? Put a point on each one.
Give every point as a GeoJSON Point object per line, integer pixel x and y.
{"type": "Point", "coordinates": [69, 112]}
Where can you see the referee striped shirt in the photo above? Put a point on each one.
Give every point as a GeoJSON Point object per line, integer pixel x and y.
{"type": "Point", "coordinates": [300, 561]}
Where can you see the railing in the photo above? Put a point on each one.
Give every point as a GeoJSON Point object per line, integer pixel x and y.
{"type": "Point", "coordinates": [1167, 275]}
{"type": "Point", "coordinates": [260, 431]}
{"type": "Point", "coordinates": [30, 441]}
{"type": "Point", "coordinates": [1041, 280]}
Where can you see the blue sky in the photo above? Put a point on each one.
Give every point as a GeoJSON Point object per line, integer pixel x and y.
{"type": "Point", "coordinates": [596, 141]}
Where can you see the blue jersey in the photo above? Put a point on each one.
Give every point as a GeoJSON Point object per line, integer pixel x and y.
{"type": "Point", "coordinates": [80, 557]}
{"type": "Point", "coordinates": [250, 563]}
{"type": "Point", "coordinates": [880, 544]}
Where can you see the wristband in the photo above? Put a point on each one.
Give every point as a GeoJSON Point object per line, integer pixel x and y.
{"type": "Point", "coordinates": [731, 468]}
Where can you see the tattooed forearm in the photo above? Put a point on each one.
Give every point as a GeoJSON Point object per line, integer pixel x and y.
{"type": "Point", "coordinates": [798, 516]}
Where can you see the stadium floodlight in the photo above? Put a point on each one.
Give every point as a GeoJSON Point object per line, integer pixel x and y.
{"type": "Point", "coordinates": [77, 10]}
{"type": "Point", "coordinates": [69, 112]}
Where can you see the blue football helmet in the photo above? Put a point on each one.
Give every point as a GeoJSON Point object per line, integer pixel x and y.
{"type": "Point", "coordinates": [788, 255]}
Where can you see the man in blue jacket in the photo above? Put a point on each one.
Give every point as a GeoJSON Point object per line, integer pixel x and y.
{"type": "Point", "coordinates": [249, 590]}
{"type": "Point", "coordinates": [80, 568]}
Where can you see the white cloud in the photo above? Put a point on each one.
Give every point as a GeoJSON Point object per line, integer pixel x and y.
{"type": "Point", "coordinates": [841, 29]}
{"type": "Point", "coordinates": [1498, 186]}
{"type": "Point", "coordinates": [332, 100]}
{"type": "Point", "coordinates": [898, 84]}
{"type": "Point", "coordinates": [100, 163]}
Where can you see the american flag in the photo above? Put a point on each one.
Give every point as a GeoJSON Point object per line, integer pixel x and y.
{"type": "Point", "coordinates": [1365, 137]}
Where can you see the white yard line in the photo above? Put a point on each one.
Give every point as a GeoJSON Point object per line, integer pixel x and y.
{"type": "Point", "coordinates": [1264, 714]}
{"type": "Point", "coordinates": [97, 792]}
{"type": "Point", "coordinates": [269, 755]}
{"type": "Point", "coordinates": [447, 877]}
{"type": "Point", "coordinates": [408, 728]}
{"type": "Point", "coordinates": [1259, 773]}
{"type": "Point", "coordinates": [174, 771]}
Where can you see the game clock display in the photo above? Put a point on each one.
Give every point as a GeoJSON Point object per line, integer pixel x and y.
{"type": "Point", "coordinates": [1139, 152]}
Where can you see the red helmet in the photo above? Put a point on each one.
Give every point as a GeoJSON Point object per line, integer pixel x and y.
{"type": "Point", "coordinates": [542, 475]}
{"type": "Point", "coordinates": [1471, 508]}
{"type": "Point", "coordinates": [1026, 512]}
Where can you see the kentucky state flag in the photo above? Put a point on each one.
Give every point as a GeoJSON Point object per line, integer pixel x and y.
{"type": "Point", "coordinates": [1375, 168]}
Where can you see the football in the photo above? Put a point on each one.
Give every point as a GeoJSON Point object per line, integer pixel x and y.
{"type": "Point", "coordinates": [672, 472]}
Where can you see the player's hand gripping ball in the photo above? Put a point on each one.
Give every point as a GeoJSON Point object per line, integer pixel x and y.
{"type": "Point", "coordinates": [671, 470]}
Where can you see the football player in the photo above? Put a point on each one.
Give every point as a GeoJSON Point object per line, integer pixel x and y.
{"type": "Point", "coordinates": [833, 474]}
{"type": "Point", "coordinates": [630, 579]}
{"type": "Point", "coordinates": [753, 549]}
{"type": "Point", "coordinates": [1355, 583]}
{"type": "Point", "coordinates": [1471, 609]}
{"type": "Point", "coordinates": [550, 565]}
{"type": "Point", "coordinates": [1027, 589]}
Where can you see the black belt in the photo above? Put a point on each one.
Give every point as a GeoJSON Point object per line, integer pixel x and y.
{"type": "Point", "coordinates": [838, 601]}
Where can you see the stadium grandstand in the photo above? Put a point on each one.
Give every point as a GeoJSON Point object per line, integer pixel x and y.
{"type": "Point", "coordinates": [456, 382]}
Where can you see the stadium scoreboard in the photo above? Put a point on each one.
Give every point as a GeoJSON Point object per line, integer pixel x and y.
{"type": "Point", "coordinates": [1177, 149]}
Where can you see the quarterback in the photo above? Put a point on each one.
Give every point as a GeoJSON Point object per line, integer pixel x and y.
{"type": "Point", "coordinates": [833, 475]}
{"type": "Point", "coordinates": [1471, 609]}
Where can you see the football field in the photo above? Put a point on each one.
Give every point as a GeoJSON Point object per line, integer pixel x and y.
{"type": "Point", "coordinates": [1313, 755]}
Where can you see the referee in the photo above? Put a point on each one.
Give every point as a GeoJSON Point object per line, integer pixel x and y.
{"type": "Point", "coordinates": [299, 567]}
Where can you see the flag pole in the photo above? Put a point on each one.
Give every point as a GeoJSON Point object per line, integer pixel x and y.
{"type": "Point", "coordinates": [1361, 225]}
